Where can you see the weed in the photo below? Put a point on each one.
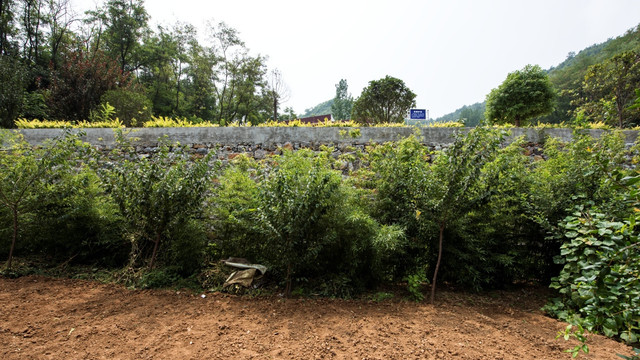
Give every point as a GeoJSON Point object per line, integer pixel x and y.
{"type": "Point", "coordinates": [579, 335]}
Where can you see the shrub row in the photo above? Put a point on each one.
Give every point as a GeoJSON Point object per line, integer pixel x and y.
{"type": "Point", "coordinates": [477, 215]}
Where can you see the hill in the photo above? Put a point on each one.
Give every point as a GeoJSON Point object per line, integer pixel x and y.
{"type": "Point", "coordinates": [323, 108]}
{"type": "Point", "coordinates": [568, 76]}
{"type": "Point", "coordinates": [472, 115]}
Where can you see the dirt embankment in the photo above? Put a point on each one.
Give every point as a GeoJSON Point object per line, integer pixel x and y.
{"type": "Point", "coordinates": [44, 318]}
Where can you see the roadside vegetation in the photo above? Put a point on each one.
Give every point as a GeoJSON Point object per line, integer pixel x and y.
{"type": "Point", "coordinates": [476, 216]}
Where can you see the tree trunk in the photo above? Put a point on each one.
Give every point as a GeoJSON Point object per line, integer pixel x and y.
{"type": "Point", "coordinates": [620, 108]}
{"type": "Point", "coordinates": [435, 273]}
{"type": "Point", "coordinates": [15, 236]}
{"type": "Point", "coordinates": [287, 290]}
{"type": "Point", "coordinates": [275, 109]}
{"type": "Point", "coordinates": [155, 251]}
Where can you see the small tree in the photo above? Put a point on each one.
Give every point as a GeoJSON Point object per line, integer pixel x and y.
{"type": "Point", "coordinates": [131, 107]}
{"type": "Point", "coordinates": [296, 205]}
{"type": "Point", "coordinates": [609, 89]}
{"type": "Point", "coordinates": [25, 170]}
{"type": "Point", "coordinates": [342, 102]}
{"type": "Point", "coordinates": [384, 101]}
{"type": "Point", "coordinates": [155, 195]}
{"type": "Point", "coordinates": [524, 94]}
{"type": "Point", "coordinates": [449, 188]}
{"type": "Point", "coordinates": [277, 91]}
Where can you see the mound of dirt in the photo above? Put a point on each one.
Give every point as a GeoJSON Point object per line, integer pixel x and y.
{"type": "Point", "coordinates": [44, 318]}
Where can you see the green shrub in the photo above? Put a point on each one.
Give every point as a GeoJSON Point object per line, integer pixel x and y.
{"type": "Point", "coordinates": [12, 85]}
{"type": "Point", "coordinates": [491, 239]}
{"type": "Point", "coordinates": [159, 197]}
{"type": "Point", "coordinates": [34, 105]}
{"type": "Point", "coordinates": [392, 167]}
{"type": "Point", "coordinates": [599, 285]}
{"type": "Point", "coordinates": [234, 203]}
{"type": "Point", "coordinates": [131, 107]}
{"type": "Point", "coordinates": [301, 219]}
{"type": "Point", "coordinates": [28, 174]}
{"type": "Point", "coordinates": [76, 220]}
{"type": "Point", "coordinates": [573, 174]}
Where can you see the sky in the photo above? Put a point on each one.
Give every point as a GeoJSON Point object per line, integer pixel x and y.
{"type": "Point", "coordinates": [450, 53]}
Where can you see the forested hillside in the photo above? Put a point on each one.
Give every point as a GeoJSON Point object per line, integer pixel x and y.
{"type": "Point", "coordinates": [470, 115]}
{"type": "Point", "coordinates": [323, 108]}
{"type": "Point", "coordinates": [567, 79]}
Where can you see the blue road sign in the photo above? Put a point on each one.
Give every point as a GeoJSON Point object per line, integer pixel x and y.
{"type": "Point", "coordinates": [418, 114]}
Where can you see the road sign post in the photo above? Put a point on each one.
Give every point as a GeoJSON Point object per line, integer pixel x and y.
{"type": "Point", "coordinates": [418, 114]}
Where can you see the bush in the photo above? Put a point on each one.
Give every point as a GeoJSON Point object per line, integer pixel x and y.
{"type": "Point", "coordinates": [160, 198]}
{"type": "Point", "coordinates": [392, 167]}
{"type": "Point", "coordinates": [131, 107]}
{"type": "Point", "coordinates": [234, 203]}
{"type": "Point", "coordinates": [301, 220]}
{"type": "Point", "coordinates": [599, 285]}
{"type": "Point", "coordinates": [574, 173]}
{"type": "Point", "coordinates": [76, 220]}
{"type": "Point", "coordinates": [29, 173]}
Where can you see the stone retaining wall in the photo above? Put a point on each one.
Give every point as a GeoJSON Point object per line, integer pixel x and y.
{"type": "Point", "coordinates": [260, 142]}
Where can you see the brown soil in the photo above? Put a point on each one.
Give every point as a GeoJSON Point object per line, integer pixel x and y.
{"type": "Point", "coordinates": [44, 318]}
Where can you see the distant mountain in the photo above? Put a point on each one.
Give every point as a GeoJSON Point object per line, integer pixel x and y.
{"type": "Point", "coordinates": [471, 115]}
{"type": "Point", "coordinates": [567, 76]}
{"type": "Point", "coordinates": [320, 109]}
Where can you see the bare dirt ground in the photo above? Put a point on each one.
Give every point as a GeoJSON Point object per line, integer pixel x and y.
{"type": "Point", "coordinates": [45, 318]}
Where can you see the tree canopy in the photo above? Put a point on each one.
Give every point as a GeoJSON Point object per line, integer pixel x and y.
{"type": "Point", "coordinates": [608, 90]}
{"type": "Point", "coordinates": [384, 101]}
{"type": "Point", "coordinates": [342, 102]}
{"type": "Point", "coordinates": [59, 65]}
{"type": "Point", "coordinates": [523, 95]}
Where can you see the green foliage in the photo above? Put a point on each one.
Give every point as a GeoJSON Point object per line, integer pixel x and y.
{"type": "Point", "coordinates": [75, 220]}
{"type": "Point", "coordinates": [80, 82]}
{"type": "Point", "coordinates": [27, 174]}
{"type": "Point", "coordinates": [524, 94]}
{"type": "Point", "coordinates": [491, 239]}
{"type": "Point", "coordinates": [342, 102]}
{"type": "Point", "coordinates": [573, 173]}
{"type": "Point", "coordinates": [568, 76]}
{"type": "Point", "coordinates": [415, 283]}
{"type": "Point", "coordinates": [303, 221]}
{"type": "Point", "coordinates": [104, 113]}
{"type": "Point", "coordinates": [633, 357]}
{"type": "Point", "coordinates": [125, 23]}
{"type": "Point", "coordinates": [599, 284]}
{"type": "Point", "coordinates": [299, 208]}
{"type": "Point", "coordinates": [159, 198]}
{"type": "Point", "coordinates": [235, 230]}
{"type": "Point", "coordinates": [452, 186]}
{"type": "Point", "coordinates": [321, 109]}
{"type": "Point", "coordinates": [34, 106]}
{"type": "Point", "coordinates": [471, 115]}
{"type": "Point", "coordinates": [12, 85]}
{"type": "Point", "coordinates": [393, 166]}
{"type": "Point", "coordinates": [381, 296]}
{"type": "Point", "coordinates": [131, 107]}
{"type": "Point", "coordinates": [608, 90]}
{"type": "Point", "coordinates": [578, 335]}
{"type": "Point", "coordinates": [384, 101]}
{"type": "Point", "coordinates": [486, 234]}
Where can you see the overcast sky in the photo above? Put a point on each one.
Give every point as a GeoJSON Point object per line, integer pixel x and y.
{"type": "Point", "coordinates": [449, 52]}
